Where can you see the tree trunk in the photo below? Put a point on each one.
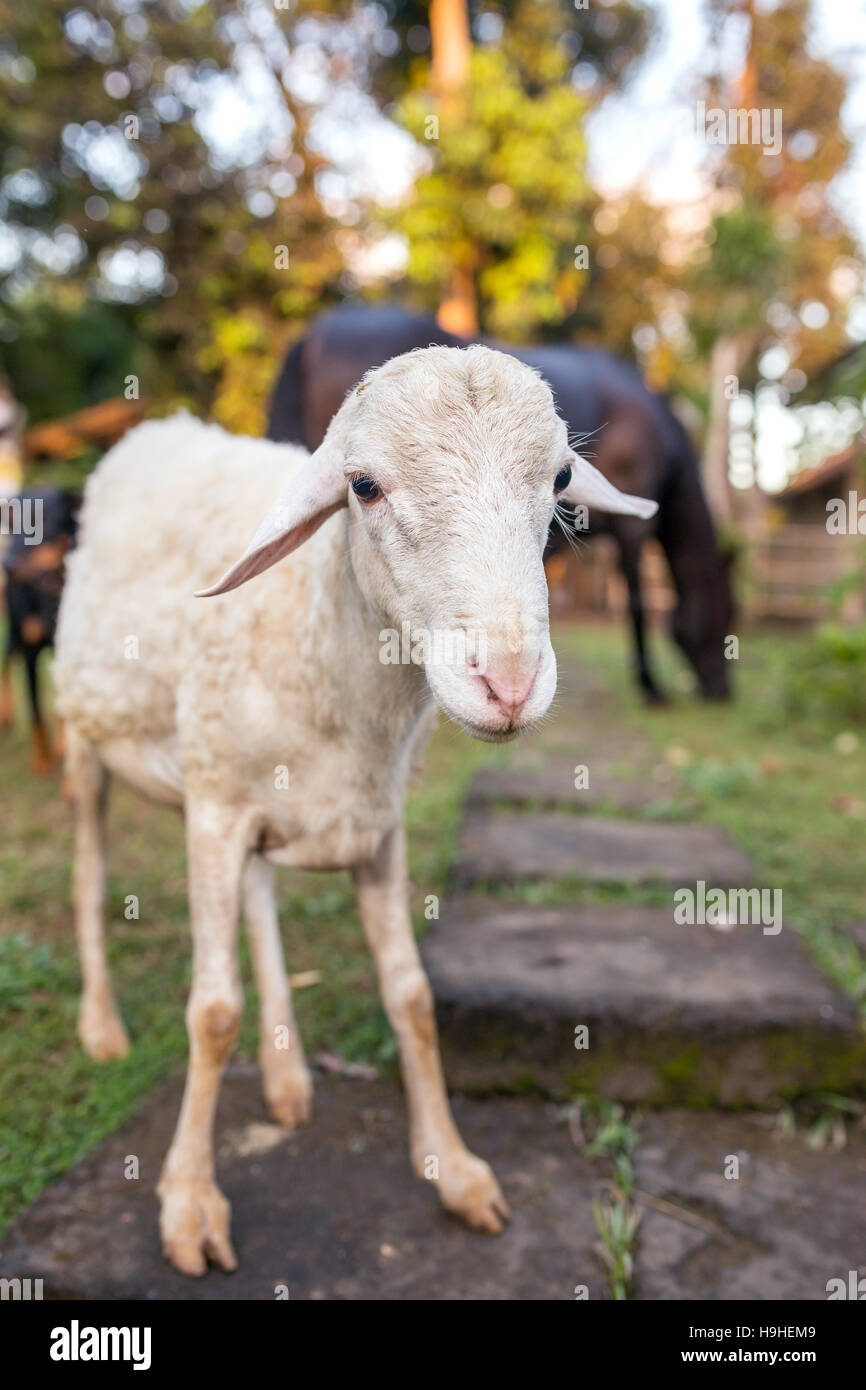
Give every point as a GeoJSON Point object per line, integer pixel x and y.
{"type": "Point", "coordinates": [458, 312]}
{"type": "Point", "coordinates": [452, 49]}
{"type": "Point", "coordinates": [724, 366]}
{"type": "Point", "coordinates": [451, 44]}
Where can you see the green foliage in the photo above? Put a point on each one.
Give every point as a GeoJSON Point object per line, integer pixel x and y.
{"type": "Point", "coordinates": [614, 1138]}
{"type": "Point", "coordinates": [544, 37]}
{"type": "Point", "coordinates": [717, 777]}
{"type": "Point", "coordinates": [745, 266]}
{"type": "Point", "coordinates": [829, 679]}
{"type": "Point", "coordinates": [63, 351]}
{"type": "Point", "coordinates": [745, 246]}
{"type": "Point", "coordinates": [617, 1223]}
{"type": "Point", "coordinates": [75, 174]}
{"type": "Point", "coordinates": [25, 968]}
{"type": "Point", "coordinates": [506, 199]}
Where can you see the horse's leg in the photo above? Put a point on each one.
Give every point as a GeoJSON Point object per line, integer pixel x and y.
{"type": "Point", "coordinates": [629, 558]}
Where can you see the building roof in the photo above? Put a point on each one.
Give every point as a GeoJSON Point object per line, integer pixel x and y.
{"type": "Point", "coordinates": [843, 376]}
{"type": "Point", "coordinates": [99, 425]}
{"type": "Point", "coordinates": [825, 472]}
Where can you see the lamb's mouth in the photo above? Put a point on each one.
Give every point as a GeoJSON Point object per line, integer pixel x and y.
{"type": "Point", "coordinates": [489, 733]}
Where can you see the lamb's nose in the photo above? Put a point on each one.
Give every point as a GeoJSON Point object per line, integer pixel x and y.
{"type": "Point", "coordinates": [510, 692]}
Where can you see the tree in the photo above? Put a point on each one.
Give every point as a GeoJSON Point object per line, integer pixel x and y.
{"type": "Point", "coordinates": [499, 227]}
{"type": "Point", "coordinates": [504, 205]}
{"type": "Point", "coordinates": [114, 189]}
{"type": "Point", "coordinates": [604, 38]}
{"type": "Point", "coordinates": [634, 284]}
{"type": "Point", "coordinates": [776, 242]}
{"type": "Point", "coordinates": [450, 66]}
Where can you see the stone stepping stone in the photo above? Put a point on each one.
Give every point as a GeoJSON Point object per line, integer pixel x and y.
{"type": "Point", "coordinates": [793, 1220]}
{"type": "Point", "coordinates": [679, 1014]}
{"type": "Point", "coordinates": [506, 847]}
{"type": "Point", "coordinates": [554, 786]}
{"type": "Point", "coordinates": [333, 1211]}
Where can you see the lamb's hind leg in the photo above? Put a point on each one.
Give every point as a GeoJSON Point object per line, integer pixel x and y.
{"type": "Point", "coordinates": [287, 1082]}
{"type": "Point", "coordinates": [194, 1221]}
{"type": "Point", "coordinates": [100, 1029]}
{"type": "Point", "coordinates": [466, 1184]}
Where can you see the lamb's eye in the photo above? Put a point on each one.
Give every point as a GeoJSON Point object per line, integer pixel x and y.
{"type": "Point", "coordinates": [366, 490]}
{"type": "Point", "coordinates": [562, 479]}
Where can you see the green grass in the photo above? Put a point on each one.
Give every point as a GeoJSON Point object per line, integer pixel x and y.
{"type": "Point", "coordinates": [615, 1138]}
{"type": "Point", "coordinates": [55, 1103]}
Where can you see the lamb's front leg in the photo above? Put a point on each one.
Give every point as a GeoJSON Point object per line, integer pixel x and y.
{"type": "Point", "coordinates": [195, 1216]}
{"type": "Point", "coordinates": [466, 1183]}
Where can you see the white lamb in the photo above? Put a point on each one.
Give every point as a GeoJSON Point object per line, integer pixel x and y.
{"type": "Point", "coordinates": [436, 484]}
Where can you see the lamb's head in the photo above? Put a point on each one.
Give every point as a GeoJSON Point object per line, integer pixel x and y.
{"type": "Point", "coordinates": [450, 461]}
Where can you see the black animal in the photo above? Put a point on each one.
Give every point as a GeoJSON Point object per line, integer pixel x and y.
{"type": "Point", "coordinates": [633, 437]}
{"type": "Point", "coordinates": [41, 524]}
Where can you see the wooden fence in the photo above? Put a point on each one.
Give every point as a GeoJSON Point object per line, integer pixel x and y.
{"type": "Point", "coordinates": [791, 569]}
{"type": "Point", "coordinates": [786, 572]}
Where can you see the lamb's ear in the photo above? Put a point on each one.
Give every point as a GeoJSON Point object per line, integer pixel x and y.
{"type": "Point", "coordinates": [592, 489]}
{"type": "Point", "coordinates": [316, 491]}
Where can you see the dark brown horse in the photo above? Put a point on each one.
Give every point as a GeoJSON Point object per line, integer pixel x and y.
{"type": "Point", "coordinates": [630, 433]}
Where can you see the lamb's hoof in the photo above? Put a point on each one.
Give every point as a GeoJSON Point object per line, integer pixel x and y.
{"type": "Point", "coordinates": [102, 1034]}
{"type": "Point", "coordinates": [290, 1104]}
{"type": "Point", "coordinates": [195, 1223]}
{"type": "Point", "coordinates": [470, 1190]}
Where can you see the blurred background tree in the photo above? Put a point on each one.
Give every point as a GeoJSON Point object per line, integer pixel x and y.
{"type": "Point", "coordinates": [773, 271]}
{"type": "Point", "coordinates": [497, 218]}
{"type": "Point", "coordinates": [114, 193]}
{"type": "Point", "coordinates": [499, 227]}
{"type": "Point", "coordinates": [179, 192]}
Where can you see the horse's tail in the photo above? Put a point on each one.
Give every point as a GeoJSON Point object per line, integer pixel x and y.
{"type": "Point", "coordinates": [286, 413]}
